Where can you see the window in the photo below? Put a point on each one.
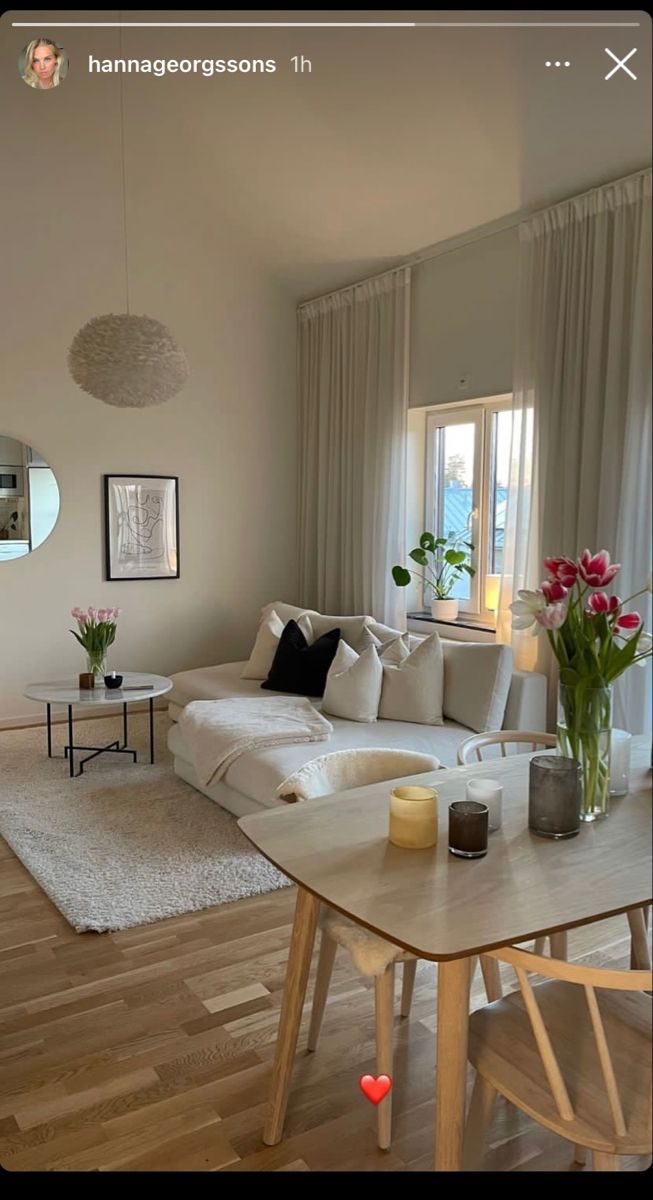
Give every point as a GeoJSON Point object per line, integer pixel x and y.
{"type": "Point", "coordinates": [467, 467]}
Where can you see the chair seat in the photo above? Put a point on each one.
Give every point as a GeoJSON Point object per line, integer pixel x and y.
{"type": "Point", "coordinates": [503, 1049]}
{"type": "Point", "coordinates": [371, 954]}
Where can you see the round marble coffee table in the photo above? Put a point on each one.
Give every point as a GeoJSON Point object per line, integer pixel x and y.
{"type": "Point", "coordinates": [135, 686]}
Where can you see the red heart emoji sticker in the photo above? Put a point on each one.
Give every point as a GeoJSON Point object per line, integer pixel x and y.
{"type": "Point", "coordinates": [375, 1087]}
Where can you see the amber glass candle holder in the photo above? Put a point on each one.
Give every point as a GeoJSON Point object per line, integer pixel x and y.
{"type": "Point", "coordinates": [413, 817]}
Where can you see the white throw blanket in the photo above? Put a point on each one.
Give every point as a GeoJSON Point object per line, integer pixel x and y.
{"type": "Point", "coordinates": [344, 769]}
{"type": "Point", "coordinates": [218, 731]}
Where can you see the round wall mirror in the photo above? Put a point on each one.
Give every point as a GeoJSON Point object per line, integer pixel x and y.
{"type": "Point", "coordinates": [29, 499]}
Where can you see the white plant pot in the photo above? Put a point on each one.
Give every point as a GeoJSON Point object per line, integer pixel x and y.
{"type": "Point", "coordinates": [444, 610]}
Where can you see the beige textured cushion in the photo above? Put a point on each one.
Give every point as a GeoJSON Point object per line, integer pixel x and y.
{"type": "Point", "coordinates": [267, 640]}
{"type": "Point", "coordinates": [353, 684]}
{"type": "Point", "coordinates": [396, 650]}
{"type": "Point", "coordinates": [353, 630]}
{"type": "Point", "coordinates": [384, 633]}
{"type": "Point", "coordinates": [285, 612]}
{"type": "Point", "coordinates": [412, 689]}
{"type": "Point", "coordinates": [477, 680]}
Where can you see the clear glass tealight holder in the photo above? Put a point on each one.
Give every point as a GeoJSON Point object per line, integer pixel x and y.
{"type": "Point", "coordinates": [620, 745]}
{"type": "Point", "coordinates": [413, 817]}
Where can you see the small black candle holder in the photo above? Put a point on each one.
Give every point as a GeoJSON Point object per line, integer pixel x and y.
{"type": "Point", "coordinates": [112, 681]}
{"type": "Point", "coordinates": [468, 828]}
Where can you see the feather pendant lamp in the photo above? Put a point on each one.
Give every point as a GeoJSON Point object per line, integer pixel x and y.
{"type": "Point", "coordinates": [126, 360]}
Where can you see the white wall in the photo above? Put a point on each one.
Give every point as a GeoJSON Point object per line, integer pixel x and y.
{"type": "Point", "coordinates": [463, 321]}
{"type": "Point", "coordinates": [230, 435]}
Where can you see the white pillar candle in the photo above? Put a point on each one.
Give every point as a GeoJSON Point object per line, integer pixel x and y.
{"type": "Point", "coordinates": [620, 743]}
{"type": "Point", "coordinates": [487, 791]}
{"type": "Point", "coordinates": [413, 817]}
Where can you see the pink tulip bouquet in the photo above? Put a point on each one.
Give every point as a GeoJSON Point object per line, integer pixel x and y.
{"type": "Point", "coordinates": [96, 631]}
{"type": "Point", "coordinates": [594, 640]}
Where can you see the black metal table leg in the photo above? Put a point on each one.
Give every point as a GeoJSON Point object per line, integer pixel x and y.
{"type": "Point", "coordinates": [71, 752]}
{"type": "Point", "coordinates": [76, 766]}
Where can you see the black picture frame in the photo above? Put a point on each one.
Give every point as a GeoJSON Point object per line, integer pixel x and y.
{"type": "Point", "coordinates": [141, 527]}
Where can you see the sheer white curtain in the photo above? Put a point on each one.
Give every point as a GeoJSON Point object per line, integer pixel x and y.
{"type": "Point", "coordinates": [353, 398]}
{"type": "Point", "coordinates": [581, 466]}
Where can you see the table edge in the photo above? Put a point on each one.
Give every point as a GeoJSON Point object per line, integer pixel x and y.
{"type": "Point", "coordinates": [145, 694]}
{"type": "Point", "coordinates": [471, 952]}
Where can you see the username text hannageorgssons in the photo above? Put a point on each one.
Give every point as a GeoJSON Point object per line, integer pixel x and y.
{"type": "Point", "coordinates": [184, 66]}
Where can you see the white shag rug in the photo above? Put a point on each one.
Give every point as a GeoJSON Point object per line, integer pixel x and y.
{"type": "Point", "coordinates": [123, 844]}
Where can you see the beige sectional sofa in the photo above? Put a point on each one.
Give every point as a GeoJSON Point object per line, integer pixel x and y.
{"type": "Point", "coordinates": [481, 691]}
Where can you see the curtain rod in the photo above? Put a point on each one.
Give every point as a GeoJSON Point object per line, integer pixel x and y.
{"type": "Point", "coordinates": [449, 245]}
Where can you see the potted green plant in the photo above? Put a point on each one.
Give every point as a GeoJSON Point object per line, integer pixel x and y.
{"type": "Point", "coordinates": [444, 560]}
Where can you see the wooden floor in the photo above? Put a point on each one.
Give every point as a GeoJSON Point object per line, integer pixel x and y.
{"type": "Point", "coordinates": [150, 1049]}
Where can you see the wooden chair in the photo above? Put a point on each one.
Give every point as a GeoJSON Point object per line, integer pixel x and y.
{"type": "Point", "coordinates": [375, 958]}
{"type": "Point", "coordinates": [470, 751]}
{"type": "Point", "coordinates": [577, 1062]}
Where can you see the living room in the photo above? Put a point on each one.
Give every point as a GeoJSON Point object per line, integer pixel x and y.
{"type": "Point", "coordinates": [403, 282]}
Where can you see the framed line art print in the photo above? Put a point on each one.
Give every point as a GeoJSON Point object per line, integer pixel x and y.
{"type": "Point", "coordinates": [141, 526]}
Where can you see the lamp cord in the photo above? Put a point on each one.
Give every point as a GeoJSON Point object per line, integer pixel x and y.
{"type": "Point", "coordinates": [122, 160]}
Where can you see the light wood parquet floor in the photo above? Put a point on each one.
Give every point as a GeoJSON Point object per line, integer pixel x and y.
{"type": "Point", "coordinates": [150, 1049]}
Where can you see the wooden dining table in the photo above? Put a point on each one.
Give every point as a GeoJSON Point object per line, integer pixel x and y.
{"type": "Point", "coordinates": [445, 908]}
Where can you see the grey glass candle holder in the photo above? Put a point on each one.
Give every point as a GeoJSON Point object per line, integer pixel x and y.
{"type": "Point", "coordinates": [554, 796]}
{"type": "Point", "coordinates": [468, 828]}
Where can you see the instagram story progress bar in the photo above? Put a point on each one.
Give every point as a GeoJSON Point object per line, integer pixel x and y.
{"type": "Point", "coordinates": [330, 24]}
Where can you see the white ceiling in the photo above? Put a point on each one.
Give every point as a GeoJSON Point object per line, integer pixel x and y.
{"type": "Point", "coordinates": [399, 139]}
{"type": "Point", "coordinates": [396, 140]}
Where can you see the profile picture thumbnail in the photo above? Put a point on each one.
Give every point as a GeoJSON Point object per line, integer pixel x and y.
{"type": "Point", "coordinates": [43, 64]}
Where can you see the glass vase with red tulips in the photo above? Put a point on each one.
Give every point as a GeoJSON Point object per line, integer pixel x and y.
{"type": "Point", "coordinates": [594, 640]}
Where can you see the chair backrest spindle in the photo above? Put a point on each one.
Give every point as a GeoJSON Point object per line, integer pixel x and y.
{"type": "Point", "coordinates": [547, 1053]}
{"type": "Point", "coordinates": [606, 1062]}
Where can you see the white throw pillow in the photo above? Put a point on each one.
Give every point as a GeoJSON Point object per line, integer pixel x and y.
{"type": "Point", "coordinates": [477, 680]}
{"type": "Point", "coordinates": [285, 612]}
{"type": "Point", "coordinates": [267, 640]}
{"type": "Point", "coordinates": [353, 684]}
{"type": "Point", "coordinates": [384, 633]}
{"type": "Point", "coordinates": [412, 689]}
{"type": "Point", "coordinates": [396, 650]}
{"type": "Point", "coordinates": [353, 630]}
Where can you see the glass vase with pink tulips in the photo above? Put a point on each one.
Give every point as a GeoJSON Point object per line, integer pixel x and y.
{"type": "Point", "coordinates": [96, 631]}
{"type": "Point", "coordinates": [594, 640]}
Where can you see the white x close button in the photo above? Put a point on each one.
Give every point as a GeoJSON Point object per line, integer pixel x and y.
{"type": "Point", "coordinates": [621, 63]}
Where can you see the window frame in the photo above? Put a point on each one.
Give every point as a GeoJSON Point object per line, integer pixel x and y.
{"type": "Point", "coordinates": [479, 412]}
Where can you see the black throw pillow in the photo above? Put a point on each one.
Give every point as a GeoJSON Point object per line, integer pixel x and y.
{"type": "Point", "coordinates": [298, 667]}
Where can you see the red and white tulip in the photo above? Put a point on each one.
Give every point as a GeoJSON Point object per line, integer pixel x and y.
{"type": "Point", "coordinates": [596, 569]}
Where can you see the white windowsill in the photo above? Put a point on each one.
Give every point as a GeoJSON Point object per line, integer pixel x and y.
{"type": "Point", "coordinates": [463, 629]}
